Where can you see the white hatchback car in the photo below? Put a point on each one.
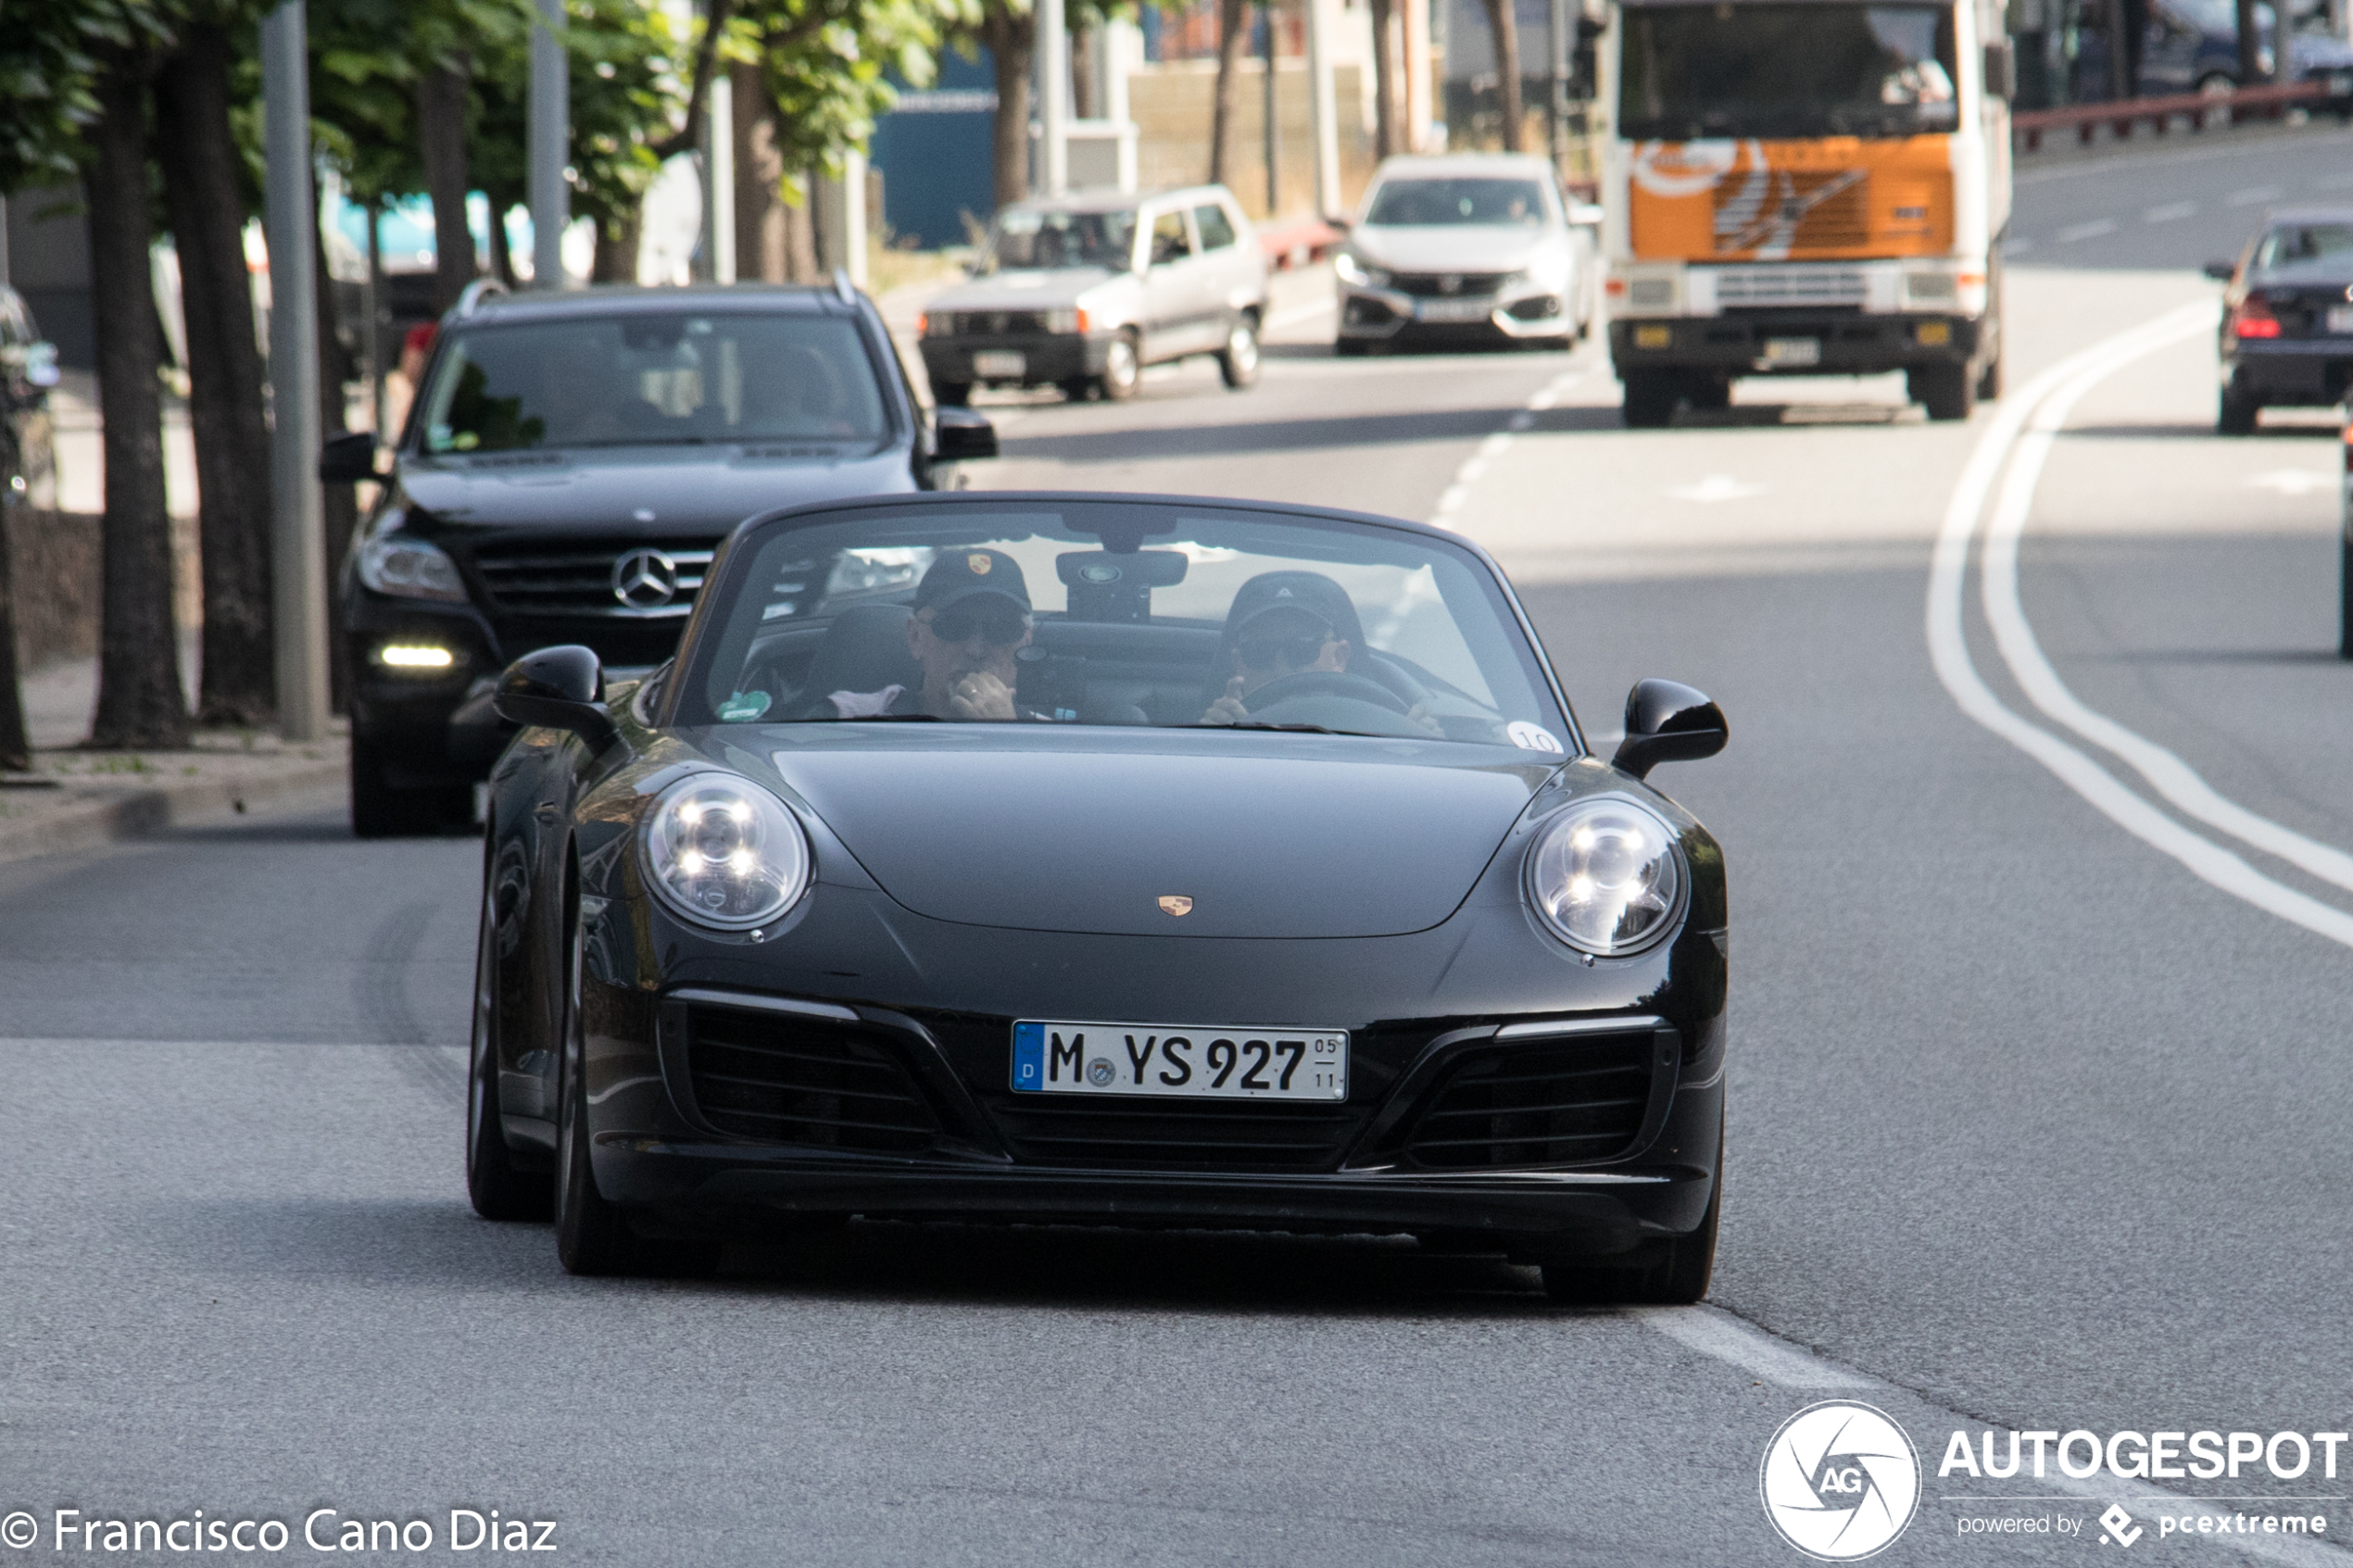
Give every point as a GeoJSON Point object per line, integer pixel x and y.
{"type": "Point", "coordinates": [1470, 245]}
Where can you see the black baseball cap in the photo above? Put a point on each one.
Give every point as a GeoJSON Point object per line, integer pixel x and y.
{"type": "Point", "coordinates": [1309, 591]}
{"type": "Point", "coordinates": [958, 575]}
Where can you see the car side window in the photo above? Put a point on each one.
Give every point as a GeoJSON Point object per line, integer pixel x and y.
{"type": "Point", "coordinates": [1216, 229]}
{"type": "Point", "coordinates": [1169, 240]}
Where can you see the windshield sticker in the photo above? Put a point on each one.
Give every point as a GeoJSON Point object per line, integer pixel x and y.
{"type": "Point", "coordinates": [1531, 738]}
{"type": "Point", "coordinates": [744, 707]}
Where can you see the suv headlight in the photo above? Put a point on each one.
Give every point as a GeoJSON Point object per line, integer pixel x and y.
{"type": "Point", "coordinates": [1352, 270]}
{"type": "Point", "coordinates": [1607, 877]}
{"type": "Point", "coordinates": [409, 569]}
{"type": "Point", "coordinates": [721, 851]}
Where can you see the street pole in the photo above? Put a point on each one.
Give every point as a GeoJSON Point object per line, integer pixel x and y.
{"type": "Point", "coordinates": [1273, 121]}
{"type": "Point", "coordinates": [298, 547]}
{"type": "Point", "coordinates": [719, 180]}
{"type": "Point", "coordinates": [550, 146]}
{"type": "Point", "coordinates": [1053, 95]}
{"type": "Point", "coordinates": [1321, 107]}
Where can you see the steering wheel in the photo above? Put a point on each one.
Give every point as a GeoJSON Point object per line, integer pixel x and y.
{"type": "Point", "coordinates": [1301, 693]}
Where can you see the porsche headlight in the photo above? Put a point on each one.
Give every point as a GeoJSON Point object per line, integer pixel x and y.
{"type": "Point", "coordinates": [1607, 877]}
{"type": "Point", "coordinates": [723, 852]}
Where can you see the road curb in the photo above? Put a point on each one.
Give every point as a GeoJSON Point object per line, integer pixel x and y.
{"type": "Point", "coordinates": [86, 818]}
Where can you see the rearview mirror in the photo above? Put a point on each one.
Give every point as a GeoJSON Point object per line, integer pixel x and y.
{"type": "Point", "coordinates": [1666, 722]}
{"type": "Point", "coordinates": [963, 436]}
{"type": "Point", "coordinates": [559, 688]}
{"type": "Point", "coordinates": [2220, 271]}
{"type": "Point", "coordinates": [348, 457]}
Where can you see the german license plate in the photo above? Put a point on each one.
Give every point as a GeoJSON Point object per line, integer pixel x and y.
{"type": "Point", "coordinates": [1000, 362]}
{"type": "Point", "coordinates": [1196, 1061]}
{"type": "Point", "coordinates": [2341, 321]}
{"type": "Point", "coordinates": [1455, 310]}
{"type": "Point", "coordinates": [1792, 351]}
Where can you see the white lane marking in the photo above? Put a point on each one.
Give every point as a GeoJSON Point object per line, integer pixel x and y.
{"type": "Point", "coordinates": [1716, 487]}
{"type": "Point", "coordinates": [1716, 1333]}
{"type": "Point", "coordinates": [1299, 313]}
{"type": "Point", "coordinates": [2091, 231]}
{"type": "Point", "coordinates": [2172, 212]}
{"type": "Point", "coordinates": [1451, 499]}
{"type": "Point", "coordinates": [2249, 195]}
{"type": "Point", "coordinates": [2294, 482]}
{"type": "Point", "coordinates": [1948, 650]}
{"type": "Point", "coordinates": [2174, 780]}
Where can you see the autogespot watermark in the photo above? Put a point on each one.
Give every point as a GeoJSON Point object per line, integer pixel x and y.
{"type": "Point", "coordinates": [316, 1531]}
{"type": "Point", "coordinates": [1840, 1480]}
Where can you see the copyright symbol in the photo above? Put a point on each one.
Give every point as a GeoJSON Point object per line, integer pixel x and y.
{"type": "Point", "coordinates": [20, 1529]}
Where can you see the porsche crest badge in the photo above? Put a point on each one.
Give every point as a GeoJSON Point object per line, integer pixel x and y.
{"type": "Point", "coordinates": [1175, 904]}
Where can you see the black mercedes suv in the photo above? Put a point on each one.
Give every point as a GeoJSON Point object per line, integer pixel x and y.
{"type": "Point", "coordinates": [569, 466]}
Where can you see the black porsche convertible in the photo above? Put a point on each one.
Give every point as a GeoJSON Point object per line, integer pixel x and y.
{"type": "Point", "coordinates": [1093, 858]}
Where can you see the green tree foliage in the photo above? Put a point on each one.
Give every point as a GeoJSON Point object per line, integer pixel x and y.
{"type": "Point", "coordinates": [828, 64]}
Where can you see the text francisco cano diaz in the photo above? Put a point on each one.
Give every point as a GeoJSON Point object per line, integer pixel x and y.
{"type": "Point", "coordinates": [321, 1530]}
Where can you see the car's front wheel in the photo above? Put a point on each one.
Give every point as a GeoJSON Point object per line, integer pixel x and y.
{"type": "Point", "coordinates": [499, 1187]}
{"type": "Point", "coordinates": [1123, 370]}
{"type": "Point", "coordinates": [1238, 362]}
{"type": "Point", "coordinates": [2235, 413]}
{"type": "Point", "coordinates": [1661, 1274]}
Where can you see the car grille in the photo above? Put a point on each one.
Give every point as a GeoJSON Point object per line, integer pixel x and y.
{"type": "Point", "coordinates": [1564, 1102]}
{"type": "Point", "coordinates": [1769, 286]}
{"type": "Point", "coordinates": [1101, 1132]}
{"type": "Point", "coordinates": [805, 1081]}
{"type": "Point", "coordinates": [568, 577]}
{"type": "Point", "coordinates": [1432, 286]}
{"type": "Point", "coordinates": [988, 323]}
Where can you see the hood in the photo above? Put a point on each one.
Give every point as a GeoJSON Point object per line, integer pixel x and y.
{"type": "Point", "coordinates": [1449, 247]}
{"type": "Point", "coordinates": [1032, 289]}
{"type": "Point", "coordinates": [688, 489]}
{"type": "Point", "coordinates": [1269, 836]}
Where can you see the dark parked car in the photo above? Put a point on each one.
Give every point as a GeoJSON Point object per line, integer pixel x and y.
{"type": "Point", "coordinates": [2193, 46]}
{"type": "Point", "coordinates": [570, 464]}
{"type": "Point", "coordinates": [2287, 318]}
{"type": "Point", "coordinates": [1100, 858]}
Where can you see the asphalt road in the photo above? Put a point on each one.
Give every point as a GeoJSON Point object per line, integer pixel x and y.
{"type": "Point", "coordinates": [2033, 1125]}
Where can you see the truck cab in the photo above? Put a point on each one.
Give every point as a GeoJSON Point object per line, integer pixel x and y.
{"type": "Point", "coordinates": [1804, 187]}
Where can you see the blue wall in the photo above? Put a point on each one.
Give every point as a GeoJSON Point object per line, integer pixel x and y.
{"type": "Point", "coordinates": [934, 154]}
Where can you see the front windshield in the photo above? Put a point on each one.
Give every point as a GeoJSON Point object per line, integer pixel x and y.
{"type": "Point", "coordinates": [638, 380]}
{"type": "Point", "coordinates": [1051, 614]}
{"type": "Point", "coordinates": [1693, 72]}
{"type": "Point", "coordinates": [1405, 203]}
{"type": "Point", "coordinates": [1025, 238]}
{"type": "Point", "coordinates": [2293, 243]}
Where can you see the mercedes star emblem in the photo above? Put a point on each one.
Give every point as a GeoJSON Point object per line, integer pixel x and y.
{"type": "Point", "coordinates": [645, 579]}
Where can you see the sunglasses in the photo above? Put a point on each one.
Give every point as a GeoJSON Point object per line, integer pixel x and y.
{"type": "Point", "coordinates": [1293, 652]}
{"type": "Point", "coordinates": [961, 625]}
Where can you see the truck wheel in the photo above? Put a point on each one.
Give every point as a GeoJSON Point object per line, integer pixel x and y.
{"type": "Point", "coordinates": [1650, 399]}
{"type": "Point", "coordinates": [2235, 414]}
{"type": "Point", "coordinates": [1709, 394]}
{"type": "Point", "coordinates": [1989, 380]}
{"type": "Point", "coordinates": [1947, 392]}
{"type": "Point", "coordinates": [951, 394]}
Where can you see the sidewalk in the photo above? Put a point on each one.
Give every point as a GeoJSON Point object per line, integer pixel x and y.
{"type": "Point", "coordinates": [77, 800]}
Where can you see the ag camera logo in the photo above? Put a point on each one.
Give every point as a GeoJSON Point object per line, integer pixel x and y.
{"type": "Point", "coordinates": [1840, 1481]}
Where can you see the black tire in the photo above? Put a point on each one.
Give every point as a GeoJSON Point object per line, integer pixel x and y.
{"type": "Point", "coordinates": [1238, 362]}
{"type": "Point", "coordinates": [2234, 415]}
{"type": "Point", "coordinates": [1078, 389]}
{"type": "Point", "coordinates": [1947, 392]}
{"type": "Point", "coordinates": [381, 811]}
{"type": "Point", "coordinates": [1650, 400]}
{"type": "Point", "coordinates": [1123, 370]}
{"type": "Point", "coordinates": [1989, 380]}
{"type": "Point", "coordinates": [1662, 1273]}
{"type": "Point", "coordinates": [1351, 348]}
{"type": "Point", "coordinates": [951, 394]}
{"type": "Point", "coordinates": [1709, 394]}
{"type": "Point", "coordinates": [499, 1187]}
{"type": "Point", "coordinates": [592, 1234]}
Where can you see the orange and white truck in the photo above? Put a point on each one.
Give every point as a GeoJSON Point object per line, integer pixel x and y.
{"type": "Point", "coordinates": [1804, 187]}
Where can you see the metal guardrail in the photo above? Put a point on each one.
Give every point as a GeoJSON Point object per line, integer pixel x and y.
{"type": "Point", "coordinates": [2027, 129]}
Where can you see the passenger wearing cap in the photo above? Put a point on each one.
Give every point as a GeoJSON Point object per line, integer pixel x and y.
{"type": "Point", "coordinates": [972, 616]}
{"type": "Point", "coordinates": [1282, 623]}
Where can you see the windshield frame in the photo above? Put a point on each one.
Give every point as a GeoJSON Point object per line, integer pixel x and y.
{"type": "Point", "coordinates": [706, 630]}
{"type": "Point", "coordinates": [1813, 119]}
{"type": "Point", "coordinates": [890, 377]}
{"type": "Point", "coordinates": [986, 265]}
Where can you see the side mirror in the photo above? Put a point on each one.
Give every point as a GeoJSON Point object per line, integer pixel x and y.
{"type": "Point", "coordinates": [2001, 70]}
{"type": "Point", "coordinates": [963, 436]}
{"type": "Point", "coordinates": [1666, 722]}
{"type": "Point", "coordinates": [2221, 271]}
{"type": "Point", "coordinates": [560, 688]}
{"type": "Point", "coordinates": [348, 458]}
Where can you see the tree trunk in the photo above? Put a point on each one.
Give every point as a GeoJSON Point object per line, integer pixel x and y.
{"type": "Point", "coordinates": [801, 237]}
{"type": "Point", "coordinates": [339, 504]}
{"type": "Point", "coordinates": [760, 176]}
{"type": "Point", "coordinates": [1504, 28]}
{"type": "Point", "coordinates": [617, 251]}
{"type": "Point", "coordinates": [441, 147]}
{"type": "Point", "coordinates": [1086, 91]}
{"type": "Point", "coordinates": [1386, 142]}
{"type": "Point", "coordinates": [2250, 42]}
{"type": "Point", "coordinates": [16, 748]}
{"type": "Point", "coordinates": [225, 405]}
{"type": "Point", "coordinates": [1011, 42]}
{"type": "Point", "coordinates": [502, 255]}
{"type": "Point", "coordinates": [139, 698]}
{"type": "Point", "coordinates": [1233, 37]}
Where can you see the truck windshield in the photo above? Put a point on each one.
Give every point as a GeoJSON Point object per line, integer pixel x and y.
{"type": "Point", "coordinates": [1691, 72]}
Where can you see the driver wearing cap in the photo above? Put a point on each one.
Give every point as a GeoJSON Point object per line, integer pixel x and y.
{"type": "Point", "coordinates": [972, 618]}
{"type": "Point", "coordinates": [1283, 623]}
